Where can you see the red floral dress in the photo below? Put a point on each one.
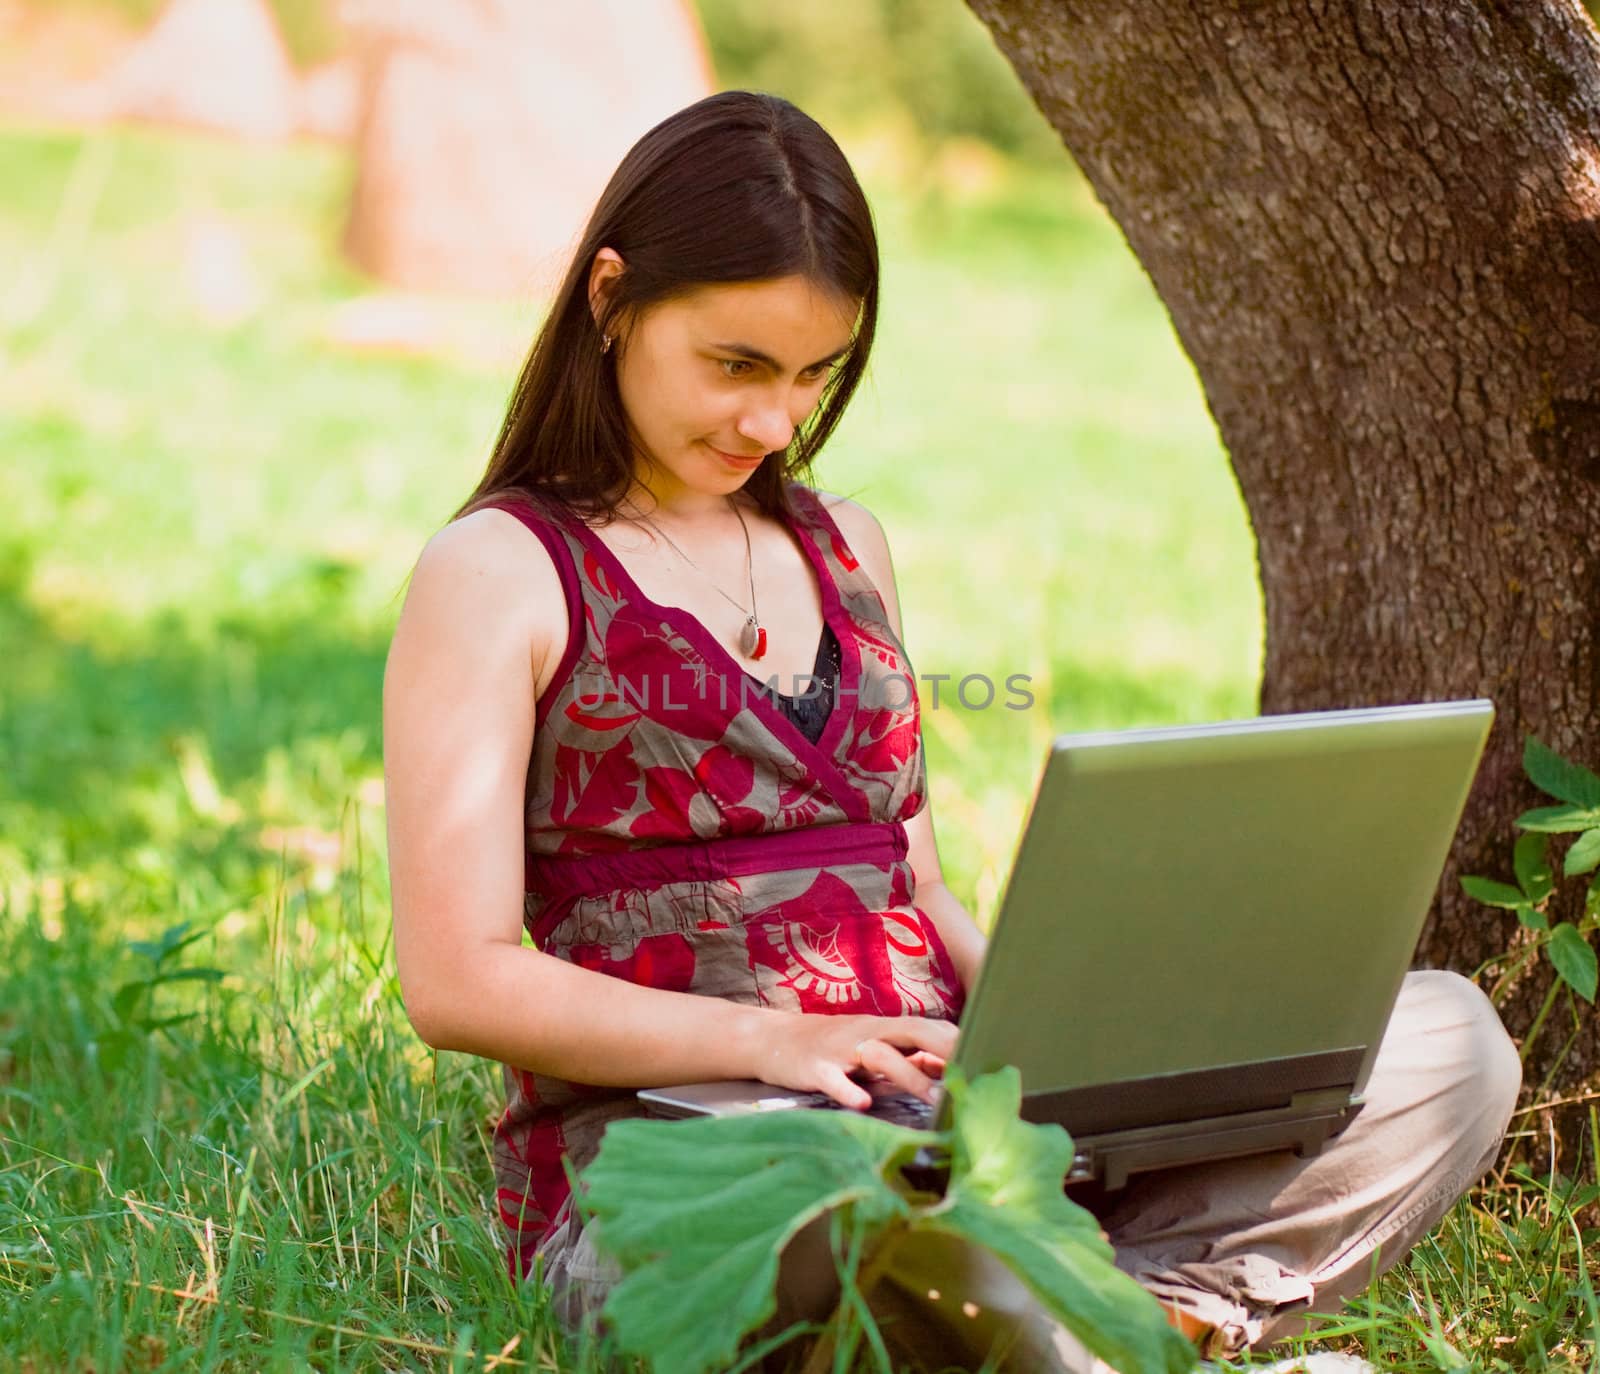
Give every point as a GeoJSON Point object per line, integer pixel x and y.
{"type": "Point", "coordinates": [682, 833]}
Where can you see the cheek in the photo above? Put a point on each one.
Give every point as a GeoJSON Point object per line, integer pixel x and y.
{"type": "Point", "coordinates": [658, 401]}
{"type": "Point", "coordinates": [703, 405]}
{"type": "Point", "coordinates": [669, 405]}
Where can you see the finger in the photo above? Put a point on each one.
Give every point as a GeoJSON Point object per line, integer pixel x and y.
{"type": "Point", "coordinates": [919, 1033]}
{"type": "Point", "coordinates": [930, 1064]}
{"type": "Point", "coordinates": [843, 1090]}
{"type": "Point", "coordinates": [885, 1059]}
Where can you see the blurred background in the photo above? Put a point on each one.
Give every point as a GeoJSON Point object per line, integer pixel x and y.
{"type": "Point", "coordinates": [267, 269]}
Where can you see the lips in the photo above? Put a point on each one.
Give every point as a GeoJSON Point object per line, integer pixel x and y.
{"type": "Point", "coordinates": [744, 458]}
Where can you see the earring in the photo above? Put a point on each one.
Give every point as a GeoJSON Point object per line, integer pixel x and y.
{"type": "Point", "coordinates": [605, 345]}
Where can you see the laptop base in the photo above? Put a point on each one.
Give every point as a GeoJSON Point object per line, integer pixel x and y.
{"type": "Point", "coordinates": [1304, 1127]}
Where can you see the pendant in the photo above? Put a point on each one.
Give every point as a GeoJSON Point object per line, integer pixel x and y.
{"type": "Point", "coordinates": [753, 640]}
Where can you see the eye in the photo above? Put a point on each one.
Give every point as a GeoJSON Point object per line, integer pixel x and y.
{"type": "Point", "coordinates": [811, 374]}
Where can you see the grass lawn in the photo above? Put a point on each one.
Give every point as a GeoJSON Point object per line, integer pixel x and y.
{"type": "Point", "coordinates": [221, 1146]}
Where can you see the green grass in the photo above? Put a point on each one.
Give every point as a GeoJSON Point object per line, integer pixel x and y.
{"type": "Point", "coordinates": [206, 528]}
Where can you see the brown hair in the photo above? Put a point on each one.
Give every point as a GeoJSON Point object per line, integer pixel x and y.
{"type": "Point", "coordinates": [741, 186]}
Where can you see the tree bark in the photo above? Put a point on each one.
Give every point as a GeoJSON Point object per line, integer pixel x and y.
{"type": "Point", "coordinates": [1375, 227]}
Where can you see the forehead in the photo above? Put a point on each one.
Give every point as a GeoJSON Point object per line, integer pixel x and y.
{"type": "Point", "coordinates": [783, 316]}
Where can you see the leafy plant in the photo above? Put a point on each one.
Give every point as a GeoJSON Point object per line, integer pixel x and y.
{"type": "Point", "coordinates": [134, 999]}
{"type": "Point", "coordinates": [1565, 943]}
{"type": "Point", "coordinates": [697, 1213]}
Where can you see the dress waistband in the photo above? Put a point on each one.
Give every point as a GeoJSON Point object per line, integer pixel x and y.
{"type": "Point", "coordinates": [566, 877]}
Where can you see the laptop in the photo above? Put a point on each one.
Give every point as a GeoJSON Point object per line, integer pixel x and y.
{"type": "Point", "coordinates": [1203, 935]}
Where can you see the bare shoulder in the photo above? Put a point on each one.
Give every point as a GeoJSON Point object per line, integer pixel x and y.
{"type": "Point", "coordinates": [486, 543]}
{"type": "Point", "coordinates": [864, 534]}
{"type": "Point", "coordinates": [488, 580]}
{"type": "Point", "coordinates": [862, 530]}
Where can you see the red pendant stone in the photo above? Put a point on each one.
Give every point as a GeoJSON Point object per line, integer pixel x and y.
{"type": "Point", "coordinates": [760, 651]}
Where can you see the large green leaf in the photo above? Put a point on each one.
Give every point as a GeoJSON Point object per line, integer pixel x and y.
{"type": "Point", "coordinates": [1584, 856]}
{"type": "Point", "coordinates": [1549, 772]}
{"type": "Point", "coordinates": [1559, 820]}
{"type": "Point", "coordinates": [698, 1213]}
{"type": "Point", "coordinates": [1574, 959]}
{"type": "Point", "coordinates": [1531, 857]}
{"type": "Point", "coordinates": [1005, 1193]}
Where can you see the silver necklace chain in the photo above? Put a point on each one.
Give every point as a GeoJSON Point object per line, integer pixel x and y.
{"type": "Point", "coordinates": [752, 637]}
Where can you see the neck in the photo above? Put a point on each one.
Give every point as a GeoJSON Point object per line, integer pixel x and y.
{"type": "Point", "coordinates": [660, 494]}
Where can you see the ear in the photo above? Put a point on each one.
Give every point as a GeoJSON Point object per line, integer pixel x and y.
{"type": "Point", "coordinates": [603, 272]}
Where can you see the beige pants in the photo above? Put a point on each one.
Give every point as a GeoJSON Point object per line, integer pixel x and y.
{"type": "Point", "coordinates": [1248, 1246]}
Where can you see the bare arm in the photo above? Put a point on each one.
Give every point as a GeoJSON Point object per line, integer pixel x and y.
{"type": "Point", "coordinates": [951, 919]}
{"type": "Point", "coordinates": [482, 629]}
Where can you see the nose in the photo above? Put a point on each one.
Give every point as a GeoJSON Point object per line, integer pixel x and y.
{"type": "Point", "coordinates": [769, 425]}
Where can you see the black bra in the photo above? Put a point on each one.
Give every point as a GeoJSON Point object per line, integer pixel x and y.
{"type": "Point", "coordinates": [809, 714]}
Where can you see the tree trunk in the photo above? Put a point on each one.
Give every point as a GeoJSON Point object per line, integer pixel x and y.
{"type": "Point", "coordinates": [1375, 227]}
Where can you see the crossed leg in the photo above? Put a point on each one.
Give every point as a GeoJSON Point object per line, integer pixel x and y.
{"type": "Point", "coordinates": [1248, 1246]}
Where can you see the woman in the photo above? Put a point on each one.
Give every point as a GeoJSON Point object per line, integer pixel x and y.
{"type": "Point", "coordinates": [602, 722]}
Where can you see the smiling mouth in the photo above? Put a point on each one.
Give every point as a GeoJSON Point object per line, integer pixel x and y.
{"type": "Point", "coordinates": [738, 457]}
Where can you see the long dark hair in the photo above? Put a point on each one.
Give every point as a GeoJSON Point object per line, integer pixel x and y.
{"type": "Point", "coordinates": [741, 186]}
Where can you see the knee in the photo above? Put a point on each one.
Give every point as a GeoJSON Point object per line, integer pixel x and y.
{"type": "Point", "coordinates": [1483, 1067]}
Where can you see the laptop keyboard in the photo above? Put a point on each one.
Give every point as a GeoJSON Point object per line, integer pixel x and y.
{"type": "Point", "coordinates": [898, 1109]}
{"type": "Point", "coordinates": [903, 1109]}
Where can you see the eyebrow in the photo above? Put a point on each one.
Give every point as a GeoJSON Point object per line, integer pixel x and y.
{"type": "Point", "coordinates": [755, 355]}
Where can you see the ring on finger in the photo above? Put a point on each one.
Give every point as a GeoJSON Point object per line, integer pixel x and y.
{"type": "Point", "coordinates": [859, 1044]}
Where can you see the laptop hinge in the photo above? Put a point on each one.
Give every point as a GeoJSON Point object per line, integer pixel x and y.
{"type": "Point", "coordinates": [1304, 1128]}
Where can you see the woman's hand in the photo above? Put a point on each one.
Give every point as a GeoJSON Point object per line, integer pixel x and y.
{"type": "Point", "coordinates": [808, 1052]}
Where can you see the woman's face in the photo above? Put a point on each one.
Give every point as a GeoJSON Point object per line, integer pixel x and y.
{"type": "Point", "coordinates": [713, 381]}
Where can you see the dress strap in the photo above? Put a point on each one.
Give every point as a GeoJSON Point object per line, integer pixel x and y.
{"type": "Point", "coordinates": [559, 548]}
